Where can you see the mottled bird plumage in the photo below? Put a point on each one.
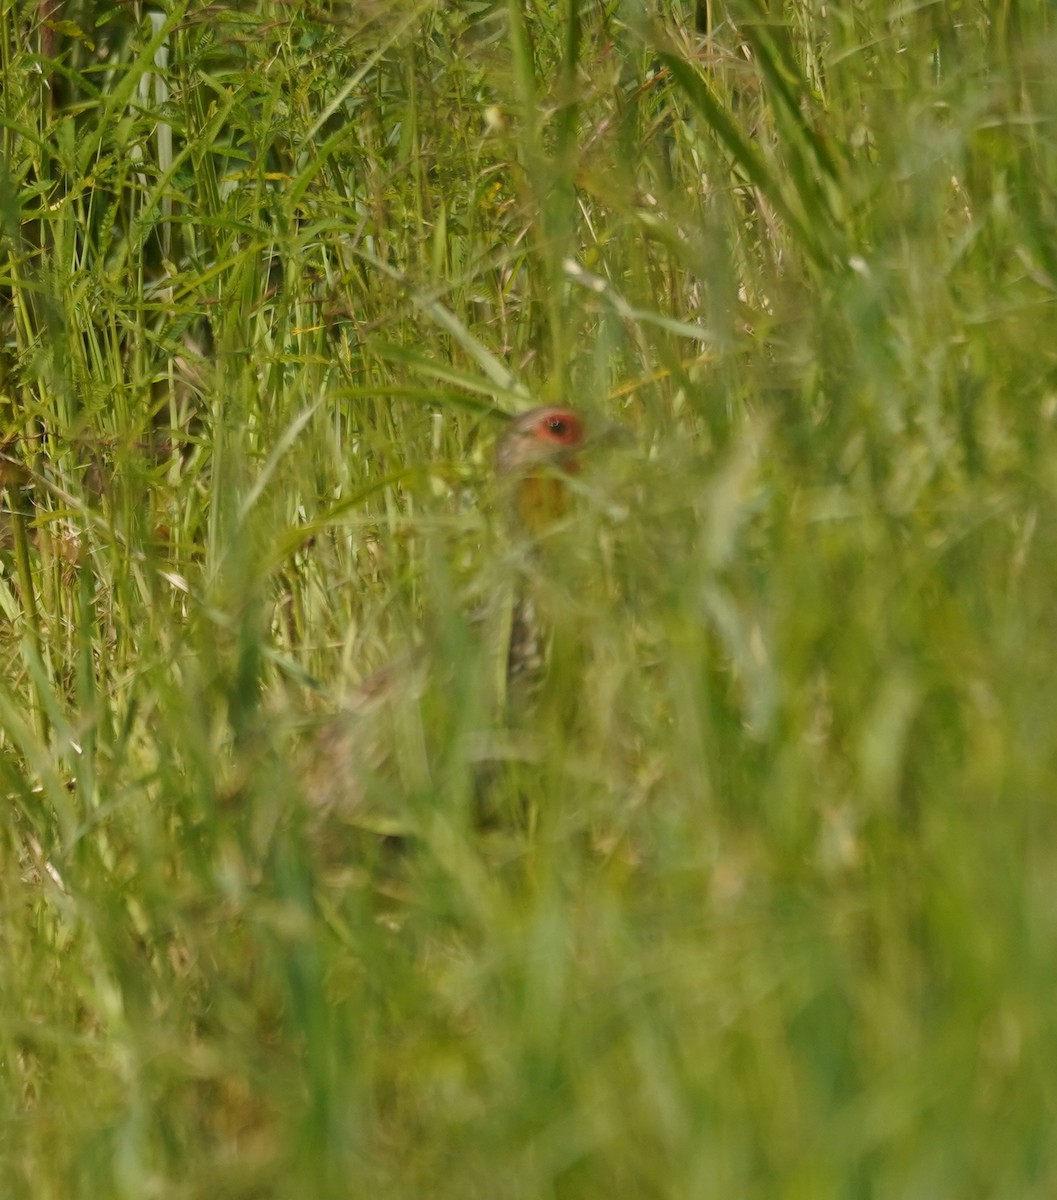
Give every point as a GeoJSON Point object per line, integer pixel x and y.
{"type": "Point", "coordinates": [534, 455]}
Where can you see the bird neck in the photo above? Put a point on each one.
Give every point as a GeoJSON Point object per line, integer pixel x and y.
{"type": "Point", "coordinates": [540, 501]}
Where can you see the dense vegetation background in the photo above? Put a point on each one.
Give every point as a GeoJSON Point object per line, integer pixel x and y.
{"type": "Point", "coordinates": [765, 900]}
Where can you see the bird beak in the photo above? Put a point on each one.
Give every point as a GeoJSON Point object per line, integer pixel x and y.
{"type": "Point", "coordinates": [607, 435]}
{"type": "Point", "coordinates": [613, 433]}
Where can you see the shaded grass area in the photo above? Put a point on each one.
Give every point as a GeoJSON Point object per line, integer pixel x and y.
{"type": "Point", "coordinates": [753, 898]}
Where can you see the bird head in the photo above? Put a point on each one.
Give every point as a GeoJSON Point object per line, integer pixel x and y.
{"type": "Point", "coordinates": [532, 455]}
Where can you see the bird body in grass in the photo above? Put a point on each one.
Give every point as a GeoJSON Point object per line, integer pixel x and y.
{"type": "Point", "coordinates": [377, 735]}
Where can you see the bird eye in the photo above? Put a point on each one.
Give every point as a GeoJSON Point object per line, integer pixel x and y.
{"type": "Point", "coordinates": [563, 428]}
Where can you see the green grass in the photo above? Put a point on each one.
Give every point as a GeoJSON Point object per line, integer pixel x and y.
{"type": "Point", "coordinates": [756, 899]}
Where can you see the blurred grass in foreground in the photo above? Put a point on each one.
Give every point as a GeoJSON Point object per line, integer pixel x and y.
{"type": "Point", "coordinates": [764, 904]}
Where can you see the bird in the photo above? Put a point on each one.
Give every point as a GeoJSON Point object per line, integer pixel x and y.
{"type": "Point", "coordinates": [532, 454]}
{"type": "Point", "coordinates": [372, 736]}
